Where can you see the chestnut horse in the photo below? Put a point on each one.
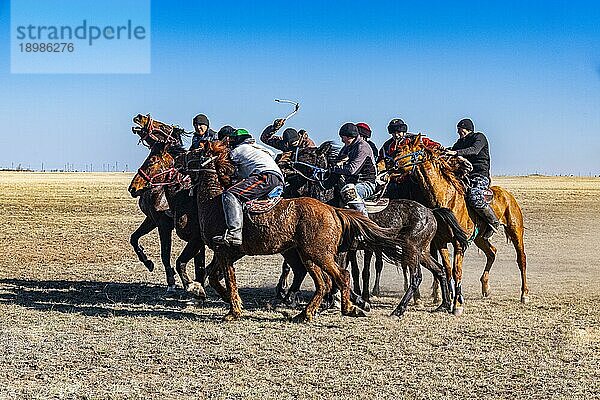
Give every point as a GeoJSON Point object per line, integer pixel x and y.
{"type": "Point", "coordinates": [303, 226]}
{"type": "Point", "coordinates": [440, 178]}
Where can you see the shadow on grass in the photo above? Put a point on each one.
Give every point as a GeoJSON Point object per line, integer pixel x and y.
{"type": "Point", "coordinates": [108, 299]}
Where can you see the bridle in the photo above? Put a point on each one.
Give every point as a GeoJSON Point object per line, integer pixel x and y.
{"type": "Point", "coordinates": [172, 176]}
{"type": "Point", "coordinates": [318, 174]}
{"type": "Point", "coordinates": [147, 132]}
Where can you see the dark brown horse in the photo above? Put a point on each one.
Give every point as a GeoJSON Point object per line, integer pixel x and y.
{"type": "Point", "coordinates": [439, 177]}
{"type": "Point", "coordinates": [167, 211]}
{"type": "Point", "coordinates": [305, 227]}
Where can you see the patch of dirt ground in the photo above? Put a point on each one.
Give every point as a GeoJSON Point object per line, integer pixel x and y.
{"type": "Point", "coordinates": [82, 318]}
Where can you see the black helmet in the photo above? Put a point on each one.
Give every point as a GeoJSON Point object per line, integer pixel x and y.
{"type": "Point", "coordinates": [349, 130]}
{"type": "Point", "coordinates": [290, 135]}
{"type": "Point", "coordinates": [201, 119]}
{"type": "Point", "coordinates": [227, 130]}
{"type": "Point", "coordinates": [397, 125]}
{"type": "Point", "coordinates": [466, 124]}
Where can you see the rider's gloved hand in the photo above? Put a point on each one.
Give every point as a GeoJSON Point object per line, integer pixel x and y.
{"type": "Point", "coordinates": [278, 123]}
{"type": "Point", "coordinates": [450, 152]}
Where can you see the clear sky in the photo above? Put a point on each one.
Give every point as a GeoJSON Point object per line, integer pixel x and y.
{"type": "Point", "coordinates": [526, 72]}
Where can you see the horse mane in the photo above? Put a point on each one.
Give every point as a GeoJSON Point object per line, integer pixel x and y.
{"type": "Point", "coordinates": [454, 172]}
{"type": "Point", "coordinates": [331, 150]}
{"type": "Point", "coordinates": [223, 164]}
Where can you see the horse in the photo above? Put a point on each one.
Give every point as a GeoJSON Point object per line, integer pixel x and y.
{"type": "Point", "coordinates": [440, 177]}
{"type": "Point", "coordinates": [300, 185]}
{"type": "Point", "coordinates": [154, 203]}
{"type": "Point", "coordinates": [302, 228]}
{"type": "Point", "coordinates": [413, 222]}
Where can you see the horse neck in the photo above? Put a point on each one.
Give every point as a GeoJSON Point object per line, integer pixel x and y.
{"type": "Point", "coordinates": [437, 190]}
{"type": "Point", "coordinates": [208, 186]}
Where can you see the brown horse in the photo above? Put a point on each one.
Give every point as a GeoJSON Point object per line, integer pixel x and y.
{"type": "Point", "coordinates": [154, 203]}
{"type": "Point", "coordinates": [152, 131]}
{"type": "Point", "coordinates": [305, 227]}
{"type": "Point", "coordinates": [183, 219]}
{"type": "Point", "coordinates": [440, 179]}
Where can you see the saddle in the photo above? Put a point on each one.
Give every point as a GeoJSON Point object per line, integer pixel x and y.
{"type": "Point", "coordinates": [264, 204]}
{"type": "Point", "coordinates": [376, 205]}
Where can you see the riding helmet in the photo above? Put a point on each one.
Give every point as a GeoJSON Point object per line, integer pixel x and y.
{"type": "Point", "coordinates": [349, 130]}
{"type": "Point", "coordinates": [227, 130]}
{"type": "Point", "coordinates": [397, 125]}
{"type": "Point", "coordinates": [201, 119]}
{"type": "Point", "coordinates": [290, 135]}
{"type": "Point", "coordinates": [466, 124]}
{"type": "Point", "coordinates": [364, 130]}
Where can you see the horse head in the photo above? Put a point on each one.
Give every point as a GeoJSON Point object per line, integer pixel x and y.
{"type": "Point", "coordinates": [152, 131]}
{"type": "Point", "coordinates": [158, 169]}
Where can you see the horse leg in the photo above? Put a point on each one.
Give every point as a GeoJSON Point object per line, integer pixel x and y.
{"type": "Point", "coordinates": [191, 249]}
{"type": "Point", "coordinates": [313, 305]}
{"type": "Point", "coordinates": [445, 255]}
{"type": "Point", "coordinates": [439, 275]}
{"type": "Point", "coordinates": [435, 284]}
{"type": "Point", "coordinates": [490, 254]}
{"type": "Point", "coordinates": [515, 233]}
{"type": "Point", "coordinates": [282, 286]}
{"type": "Point", "coordinates": [366, 275]}
{"type": "Point", "coordinates": [164, 233]}
{"type": "Point", "coordinates": [459, 300]}
{"type": "Point", "coordinates": [235, 303]}
{"type": "Point", "coordinates": [410, 260]}
{"type": "Point", "coordinates": [200, 265]}
{"type": "Point", "coordinates": [355, 272]}
{"type": "Point", "coordinates": [145, 227]}
{"type": "Point", "coordinates": [378, 270]}
{"type": "Point", "coordinates": [214, 279]}
{"type": "Point", "coordinates": [293, 260]}
{"type": "Point", "coordinates": [341, 278]}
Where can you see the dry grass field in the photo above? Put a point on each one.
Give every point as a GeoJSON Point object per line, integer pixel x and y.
{"type": "Point", "coordinates": [82, 318]}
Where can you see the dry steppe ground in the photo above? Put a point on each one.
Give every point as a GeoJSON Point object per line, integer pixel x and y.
{"type": "Point", "coordinates": [80, 317]}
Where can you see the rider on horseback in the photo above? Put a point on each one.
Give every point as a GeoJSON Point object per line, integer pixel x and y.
{"type": "Point", "coordinates": [357, 167]}
{"type": "Point", "coordinates": [259, 176]}
{"type": "Point", "coordinates": [202, 131]}
{"type": "Point", "coordinates": [474, 147]}
{"type": "Point", "coordinates": [364, 130]}
{"type": "Point", "coordinates": [290, 140]}
{"type": "Point", "coordinates": [400, 187]}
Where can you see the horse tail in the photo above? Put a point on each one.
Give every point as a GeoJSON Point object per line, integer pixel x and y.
{"type": "Point", "coordinates": [356, 228]}
{"type": "Point", "coordinates": [445, 216]}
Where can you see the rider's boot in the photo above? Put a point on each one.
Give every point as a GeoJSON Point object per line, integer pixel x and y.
{"type": "Point", "coordinates": [234, 219]}
{"type": "Point", "coordinates": [490, 217]}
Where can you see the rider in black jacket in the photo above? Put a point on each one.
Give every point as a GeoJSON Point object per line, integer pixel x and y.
{"type": "Point", "coordinates": [475, 148]}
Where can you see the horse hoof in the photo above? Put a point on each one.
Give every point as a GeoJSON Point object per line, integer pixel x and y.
{"type": "Point", "coordinates": [301, 318]}
{"type": "Point", "coordinates": [395, 316]}
{"type": "Point", "coordinates": [367, 306]}
{"type": "Point", "coordinates": [458, 311]}
{"type": "Point", "coordinates": [355, 312]}
{"type": "Point", "coordinates": [485, 291]}
{"type": "Point", "coordinates": [150, 265]}
{"type": "Point", "coordinates": [195, 302]}
{"type": "Point", "coordinates": [525, 299]}
{"type": "Point", "coordinates": [442, 309]}
{"type": "Point", "coordinates": [231, 317]}
{"type": "Point", "coordinates": [196, 290]}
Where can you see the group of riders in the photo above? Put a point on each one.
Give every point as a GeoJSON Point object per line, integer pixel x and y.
{"type": "Point", "coordinates": [260, 176]}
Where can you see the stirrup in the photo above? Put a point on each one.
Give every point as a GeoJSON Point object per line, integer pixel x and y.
{"type": "Point", "coordinates": [227, 240]}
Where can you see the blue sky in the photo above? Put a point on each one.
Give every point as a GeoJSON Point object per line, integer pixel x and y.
{"type": "Point", "coordinates": [527, 73]}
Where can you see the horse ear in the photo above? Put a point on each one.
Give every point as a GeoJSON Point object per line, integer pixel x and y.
{"type": "Point", "coordinates": [419, 139]}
